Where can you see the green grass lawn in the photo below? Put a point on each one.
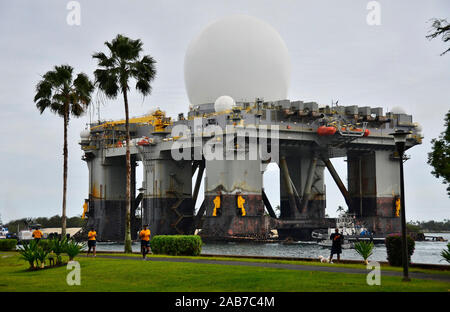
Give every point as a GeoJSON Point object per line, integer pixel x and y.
{"type": "Point", "coordinates": [309, 263]}
{"type": "Point", "coordinates": [99, 274]}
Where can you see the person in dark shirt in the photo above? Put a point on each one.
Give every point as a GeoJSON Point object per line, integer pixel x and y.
{"type": "Point", "coordinates": [336, 244]}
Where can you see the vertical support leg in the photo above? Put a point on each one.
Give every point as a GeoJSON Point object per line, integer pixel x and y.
{"type": "Point", "coordinates": [373, 185]}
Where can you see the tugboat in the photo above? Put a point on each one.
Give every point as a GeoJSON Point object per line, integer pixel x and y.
{"type": "Point", "coordinates": [346, 225]}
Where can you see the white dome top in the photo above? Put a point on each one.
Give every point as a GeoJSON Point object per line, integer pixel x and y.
{"type": "Point", "coordinates": [85, 134]}
{"type": "Point", "coordinates": [224, 103]}
{"type": "Point", "coordinates": [397, 110]}
{"type": "Point", "coordinates": [241, 56]}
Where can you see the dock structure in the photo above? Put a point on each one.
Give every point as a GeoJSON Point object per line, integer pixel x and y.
{"type": "Point", "coordinates": [230, 150]}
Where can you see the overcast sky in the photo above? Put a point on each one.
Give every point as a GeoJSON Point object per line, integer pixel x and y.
{"type": "Point", "coordinates": [334, 53]}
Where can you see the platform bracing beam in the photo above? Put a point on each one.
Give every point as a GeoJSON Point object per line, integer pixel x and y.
{"type": "Point", "coordinates": [268, 205]}
{"type": "Point", "coordinates": [138, 200]}
{"type": "Point", "coordinates": [200, 213]}
{"type": "Point", "coordinates": [337, 180]}
{"type": "Point", "coordinates": [287, 181]}
{"type": "Point", "coordinates": [201, 169]}
{"type": "Point", "coordinates": [308, 185]}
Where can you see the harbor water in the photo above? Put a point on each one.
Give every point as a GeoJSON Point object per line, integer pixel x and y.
{"type": "Point", "coordinates": [425, 252]}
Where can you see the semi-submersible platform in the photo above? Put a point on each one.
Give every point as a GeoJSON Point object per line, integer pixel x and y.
{"type": "Point", "coordinates": [302, 138]}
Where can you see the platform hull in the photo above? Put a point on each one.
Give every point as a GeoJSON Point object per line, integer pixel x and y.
{"type": "Point", "coordinates": [229, 222]}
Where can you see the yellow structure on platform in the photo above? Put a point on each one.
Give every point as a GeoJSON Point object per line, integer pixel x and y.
{"type": "Point", "coordinates": [240, 204]}
{"type": "Point", "coordinates": [397, 207]}
{"type": "Point", "coordinates": [216, 202]}
{"type": "Point", "coordinates": [158, 119]}
{"type": "Point", "coordinates": [85, 208]}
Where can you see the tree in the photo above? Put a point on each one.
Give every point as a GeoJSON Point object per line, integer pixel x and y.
{"type": "Point", "coordinates": [112, 77]}
{"type": "Point", "coordinates": [64, 96]}
{"type": "Point", "coordinates": [439, 157]}
{"type": "Point", "coordinates": [440, 27]}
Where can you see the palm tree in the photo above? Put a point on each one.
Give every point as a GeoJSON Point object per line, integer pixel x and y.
{"type": "Point", "coordinates": [112, 77]}
{"type": "Point", "coordinates": [364, 249]}
{"type": "Point", "coordinates": [65, 96]}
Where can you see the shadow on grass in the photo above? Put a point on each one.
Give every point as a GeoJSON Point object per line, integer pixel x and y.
{"type": "Point", "coordinates": [37, 269]}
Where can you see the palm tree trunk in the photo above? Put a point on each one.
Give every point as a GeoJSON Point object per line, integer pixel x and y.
{"type": "Point", "coordinates": [65, 152]}
{"type": "Point", "coordinates": [128, 168]}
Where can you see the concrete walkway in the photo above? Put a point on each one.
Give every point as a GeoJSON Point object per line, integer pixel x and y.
{"type": "Point", "coordinates": [297, 267]}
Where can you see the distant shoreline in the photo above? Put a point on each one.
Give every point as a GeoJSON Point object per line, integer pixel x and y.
{"type": "Point", "coordinates": [434, 232]}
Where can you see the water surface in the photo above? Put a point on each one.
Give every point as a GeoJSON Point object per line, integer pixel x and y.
{"type": "Point", "coordinates": [425, 252]}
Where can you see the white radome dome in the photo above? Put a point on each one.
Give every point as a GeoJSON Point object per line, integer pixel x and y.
{"type": "Point", "coordinates": [238, 55]}
{"type": "Point", "coordinates": [85, 134]}
{"type": "Point", "coordinates": [223, 103]}
{"type": "Point", "coordinates": [418, 127]}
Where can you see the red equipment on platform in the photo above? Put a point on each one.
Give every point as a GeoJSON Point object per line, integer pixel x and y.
{"type": "Point", "coordinates": [324, 131]}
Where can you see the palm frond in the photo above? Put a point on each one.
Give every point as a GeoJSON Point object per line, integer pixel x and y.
{"type": "Point", "coordinates": [125, 48]}
{"type": "Point", "coordinates": [43, 90]}
{"type": "Point", "coordinates": [144, 87]}
{"type": "Point", "coordinates": [364, 249]}
{"type": "Point", "coordinates": [58, 108]}
{"type": "Point", "coordinates": [77, 110]}
{"type": "Point", "coordinates": [446, 253]}
{"type": "Point", "coordinates": [144, 72]}
{"type": "Point", "coordinates": [42, 104]}
{"type": "Point", "coordinates": [103, 60]}
{"type": "Point", "coordinates": [73, 248]}
{"type": "Point", "coordinates": [107, 81]}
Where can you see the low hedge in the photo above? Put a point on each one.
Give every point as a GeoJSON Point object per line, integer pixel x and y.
{"type": "Point", "coordinates": [177, 245]}
{"type": "Point", "coordinates": [394, 249]}
{"type": "Point", "coordinates": [8, 244]}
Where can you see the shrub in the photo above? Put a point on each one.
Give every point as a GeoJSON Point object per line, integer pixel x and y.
{"type": "Point", "coordinates": [28, 252]}
{"type": "Point", "coordinates": [58, 246]}
{"type": "Point", "coordinates": [8, 244]}
{"type": "Point", "coordinates": [364, 249]}
{"type": "Point", "coordinates": [41, 255]}
{"type": "Point", "coordinates": [446, 253]}
{"type": "Point", "coordinates": [177, 245]}
{"type": "Point", "coordinates": [73, 248]}
{"type": "Point", "coordinates": [394, 249]}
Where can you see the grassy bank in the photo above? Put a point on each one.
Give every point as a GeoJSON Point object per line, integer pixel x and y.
{"type": "Point", "coordinates": [100, 274]}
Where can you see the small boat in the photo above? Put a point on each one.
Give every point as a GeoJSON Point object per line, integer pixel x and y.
{"type": "Point", "coordinates": [25, 235]}
{"type": "Point", "coordinates": [346, 225]}
{"type": "Point", "coordinates": [326, 131]}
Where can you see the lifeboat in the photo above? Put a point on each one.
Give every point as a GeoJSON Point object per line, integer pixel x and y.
{"type": "Point", "coordinates": [325, 131]}
{"type": "Point", "coordinates": [366, 132]}
{"type": "Point", "coordinates": [145, 141]}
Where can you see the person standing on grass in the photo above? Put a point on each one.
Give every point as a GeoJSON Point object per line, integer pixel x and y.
{"type": "Point", "coordinates": [92, 240]}
{"type": "Point", "coordinates": [144, 235]}
{"type": "Point", "coordinates": [37, 234]}
{"type": "Point", "coordinates": [336, 244]}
